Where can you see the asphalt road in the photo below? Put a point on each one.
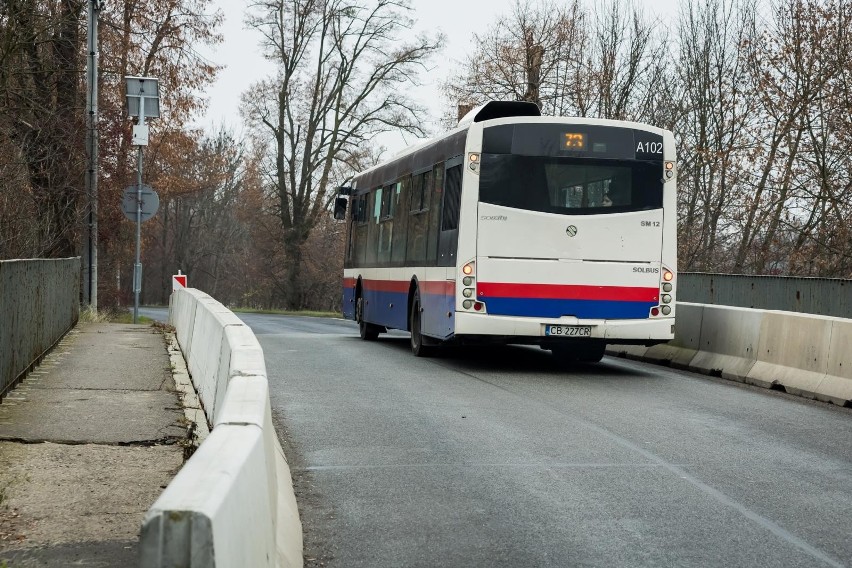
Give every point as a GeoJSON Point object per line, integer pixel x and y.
{"type": "Point", "coordinates": [500, 458]}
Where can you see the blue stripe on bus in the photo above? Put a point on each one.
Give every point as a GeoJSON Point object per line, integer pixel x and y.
{"type": "Point", "coordinates": [348, 306]}
{"type": "Point", "coordinates": [378, 310]}
{"type": "Point", "coordinates": [389, 309]}
{"type": "Point", "coordinates": [584, 309]}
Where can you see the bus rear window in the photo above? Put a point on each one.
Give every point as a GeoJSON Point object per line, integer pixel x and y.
{"type": "Point", "coordinates": [570, 186]}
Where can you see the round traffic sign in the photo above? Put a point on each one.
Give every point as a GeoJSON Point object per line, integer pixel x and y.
{"type": "Point", "coordinates": [149, 202]}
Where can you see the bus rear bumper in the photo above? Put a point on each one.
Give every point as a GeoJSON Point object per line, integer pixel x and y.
{"type": "Point", "coordinates": [532, 330]}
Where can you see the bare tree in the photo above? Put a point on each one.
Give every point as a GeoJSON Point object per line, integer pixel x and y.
{"type": "Point", "coordinates": [606, 63]}
{"type": "Point", "coordinates": [621, 75]}
{"type": "Point", "coordinates": [199, 228]}
{"type": "Point", "coordinates": [525, 55]}
{"type": "Point", "coordinates": [715, 110]}
{"type": "Point", "coordinates": [40, 105]}
{"type": "Point", "coordinates": [797, 63]}
{"type": "Point", "coordinates": [343, 71]}
{"type": "Point", "coordinates": [159, 38]}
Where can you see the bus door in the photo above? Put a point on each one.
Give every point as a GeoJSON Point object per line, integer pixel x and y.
{"type": "Point", "coordinates": [439, 296]}
{"type": "Point", "coordinates": [448, 234]}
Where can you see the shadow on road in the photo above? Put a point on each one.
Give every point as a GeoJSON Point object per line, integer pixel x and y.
{"type": "Point", "coordinates": [513, 358]}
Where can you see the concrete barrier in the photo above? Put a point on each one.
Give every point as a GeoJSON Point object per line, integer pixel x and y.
{"type": "Point", "coordinates": [837, 385]}
{"type": "Point", "coordinates": [729, 341]}
{"type": "Point", "coordinates": [182, 317]}
{"type": "Point", "coordinates": [792, 352]}
{"type": "Point", "coordinates": [677, 352]}
{"type": "Point", "coordinates": [807, 355]}
{"type": "Point", "coordinates": [232, 504]}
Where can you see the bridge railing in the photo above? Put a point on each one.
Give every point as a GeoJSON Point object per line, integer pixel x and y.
{"type": "Point", "coordinates": [39, 303]}
{"type": "Point", "coordinates": [819, 296]}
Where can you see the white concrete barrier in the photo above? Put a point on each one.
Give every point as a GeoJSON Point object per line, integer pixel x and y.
{"type": "Point", "coordinates": [837, 385]}
{"type": "Point", "coordinates": [232, 504]}
{"type": "Point", "coordinates": [807, 355]}
{"type": "Point", "coordinates": [207, 349]}
{"type": "Point", "coordinates": [217, 510]}
{"type": "Point", "coordinates": [792, 352]}
{"type": "Point", "coordinates": [182, 317]}
{"type": "Point", "coordinates": [729, 338]}
{"type": "Point", "coordinates": [677, 352]}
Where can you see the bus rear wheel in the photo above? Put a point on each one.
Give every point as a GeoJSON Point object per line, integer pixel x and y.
{"type": "Point", "coordinates": [367, 331]}
{"type": "Point", "coordinates": [418, 342]}
{"type": "Point", "coordinates": [576, 352]}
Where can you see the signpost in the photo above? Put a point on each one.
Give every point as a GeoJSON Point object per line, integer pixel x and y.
{"type": "Point", "coordinates": [143, 101]}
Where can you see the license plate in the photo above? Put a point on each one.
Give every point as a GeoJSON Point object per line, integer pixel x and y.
{"type": "Point", "coordinates": [568, 330]}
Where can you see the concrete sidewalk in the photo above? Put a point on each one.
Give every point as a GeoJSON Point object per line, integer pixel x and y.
{"type": "Point", "coordinates": [88, 441]}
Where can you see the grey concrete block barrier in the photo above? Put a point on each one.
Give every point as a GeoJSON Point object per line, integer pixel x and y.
{"type": "Point", "coordinates": [232, 504]}
{"type": "Point", "coordinates": [807, 355]}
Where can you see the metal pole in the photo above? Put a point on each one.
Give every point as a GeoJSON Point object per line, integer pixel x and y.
{"type": "Point", "coordinates": [137, 268]}
{"type": "Point", "coordinates": [91, 252]}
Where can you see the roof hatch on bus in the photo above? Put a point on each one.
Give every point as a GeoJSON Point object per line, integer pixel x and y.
{"type": "Point", "coordinates": [500, 109]}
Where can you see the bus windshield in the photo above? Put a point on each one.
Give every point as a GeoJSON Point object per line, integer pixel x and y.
{"type": "Point", "coordinates": [570, 186]}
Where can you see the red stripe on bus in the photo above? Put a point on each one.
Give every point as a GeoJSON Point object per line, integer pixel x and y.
{"type": "Point", "coordinates": [438, 287]}
{"type": "Point", "coordinates": [386, 285]}
{"type": "Point", "coordinates": [567, 292]}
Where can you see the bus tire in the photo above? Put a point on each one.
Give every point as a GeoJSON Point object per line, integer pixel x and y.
{"type": "Point", "coordinates": [592, 352]}
{"type": "Point", "coordinates": [418, 343]}
{"type": "Point", "coordinates": [569, 352]}
{"type": "Point", "coordinates": [564, 353]}
{"type": "Point", "coordinates": [367, 331]}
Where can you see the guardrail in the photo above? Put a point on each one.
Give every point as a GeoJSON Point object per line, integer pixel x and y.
{"type": "Point", "coordinates": [232, 504]}
{"type": "Point", "coordinates": [820, 296]}
{"type": "Point", "coordinates": [802, 354]}
{"type": "Point", "coordinates": [39, 303]}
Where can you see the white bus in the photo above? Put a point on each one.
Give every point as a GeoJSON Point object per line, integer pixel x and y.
{"type": "Point", "coordinates": [515, 228]}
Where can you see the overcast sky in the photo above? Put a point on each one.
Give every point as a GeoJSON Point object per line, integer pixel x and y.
{"type": "Point", "coordinates": [457, 19]}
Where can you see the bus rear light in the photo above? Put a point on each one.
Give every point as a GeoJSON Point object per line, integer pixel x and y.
{"type": "Point", "coordinates": [667, 287]}
{"type": "Point", "coordinates": [467, 304]}
{"type": "Point", "coordinates": [478, 306]}
{"type": "Point", "coordinates": [468, 268]}
{"type": "Point", "coordinates": [655, 311]}
{"type": "Point", "coordinates": [468, 280]}
{"type": "Point", "coordinates": [473, 164]}
{"type": "Point", "coordinates": [668, 276]}
{"type": "Point", "coordinates": [667, 299]}
{"type": "Point", "coordinates": [467, 292]}
{"type": "Point", "coordinates": [667, 310]}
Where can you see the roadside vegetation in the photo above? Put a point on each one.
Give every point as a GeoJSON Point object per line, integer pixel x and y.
{"type": "Point", "coordinates": [111, 315]}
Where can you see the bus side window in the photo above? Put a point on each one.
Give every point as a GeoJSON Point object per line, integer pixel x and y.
{"type": "Point", "coordinates": [400, 234]}
{"type": "Point", "coordinates": [452, 199]}
{"type": "Point", "coordinates": [375, 198]}
{"type": "Point", "coordinates": [418, 218]}
{"type": "Point", "coordinates": [434, 214]}
{"type": "Point", "coordinates": [386, 224]}
{"type": "Point", "coordinates": [362, 229]}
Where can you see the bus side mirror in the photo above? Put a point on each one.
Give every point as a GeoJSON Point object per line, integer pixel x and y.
{"type": "Point", "coordinates": [340, 208]}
